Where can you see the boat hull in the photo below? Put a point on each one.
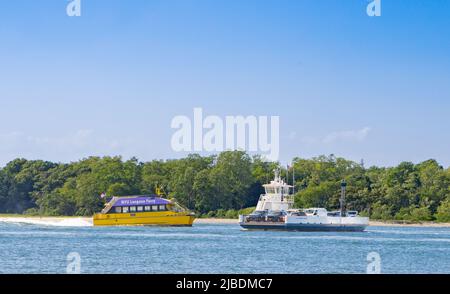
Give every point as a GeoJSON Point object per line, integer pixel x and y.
{"type": "Point", "coordinates": [304, 227]}
{"type": "Point", "coordinates": [143, 219]}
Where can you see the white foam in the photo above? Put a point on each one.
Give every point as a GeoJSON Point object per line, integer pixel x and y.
{"type": "Point", "coordinates": [354, 238]}
{"type": "Point", "coordinates": [411, 232]}
{"type": "Point", "coordinates": [56, 222]}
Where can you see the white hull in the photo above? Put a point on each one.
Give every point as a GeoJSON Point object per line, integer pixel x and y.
{"type": "Point", "coordinates": [310, 224]}
{"type": "Point", "coordinates": [304, 228]}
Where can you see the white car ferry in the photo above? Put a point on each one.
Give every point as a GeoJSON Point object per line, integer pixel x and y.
{"type": "Point", "coordinates": [275, 211]}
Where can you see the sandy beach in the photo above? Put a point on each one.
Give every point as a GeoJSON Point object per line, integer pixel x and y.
{"type": "Point", "coordinates": [215, 221]}
{"type": "Point", "coordinates": [87, 221]}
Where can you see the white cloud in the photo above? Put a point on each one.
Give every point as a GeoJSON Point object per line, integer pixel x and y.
{"type": "Point", "coordinates": [352, 135]}
{"type": "Point", "coordinates": [79, 139]}
{"type": "Point", "coordinates": [343, 136]}
{"type": "Point", "coordinates": [66, 147]}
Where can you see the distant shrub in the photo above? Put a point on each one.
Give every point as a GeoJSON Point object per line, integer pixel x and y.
{"type": "Point", "coordinates": [228, 214]}
{"type": "Point", "coordinates": [403, 214]}
{"type": "Point", "coordinates": [32, 211]}
{"type": "Point", "coordinates": [231, 214]}
{"type": "Point", "coordinates": [382, 212]}
{"type": "Point", "coordinates": [421, 214]}
{"type": "Point", "coordinates": [210, 214]}
{"type": "Point", "coordinates": [364, 213]}
{"type": "Point", "coordinates": [220, 213]}
{"type": "Point", "coordinates": [415, 214]}
{"type": "Point", "coordinates": [443, 212]}
{"type": "Point", "coordinates": [247, 210]}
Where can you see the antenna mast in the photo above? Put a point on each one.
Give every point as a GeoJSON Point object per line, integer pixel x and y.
{"type": "Point", "coordinates": [287, 174]}
{"type": "Point", "coordinates": [293, 179]}
{"type": "Point", "coordinates": [342, 200]}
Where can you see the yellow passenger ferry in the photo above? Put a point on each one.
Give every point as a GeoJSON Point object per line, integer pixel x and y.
{"type": "Point", "coordinates": [143, 210]}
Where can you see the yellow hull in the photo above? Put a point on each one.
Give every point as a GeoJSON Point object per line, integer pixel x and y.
{"type": "Point", "coordinates": [162, 218]}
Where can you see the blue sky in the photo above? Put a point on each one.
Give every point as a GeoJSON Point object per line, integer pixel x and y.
{"type": "Point", "coordinates": [110, 81]}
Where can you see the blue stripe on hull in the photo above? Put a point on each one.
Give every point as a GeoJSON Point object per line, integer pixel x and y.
{"type": "Point", "coordinates": [305, 228]}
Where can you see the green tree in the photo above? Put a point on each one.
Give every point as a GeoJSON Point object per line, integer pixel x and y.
{"type": "Point", "coordinates": [220, 185]}
{"type": "Point", "coordinates": [443, 212]}
{"type": "Point", "coordinates": [323, 195]}
{"type": "Point", "coordinates": [232, 177]}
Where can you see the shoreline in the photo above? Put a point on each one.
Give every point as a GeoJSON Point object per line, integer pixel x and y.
{"type": "Point", "coordinates": [74, 220]}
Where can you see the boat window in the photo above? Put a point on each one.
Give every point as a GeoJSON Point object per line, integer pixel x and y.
{"type": "Point", "coordinates": [270, 190]}
{"type": "Point", "coordinates": [125, 209]}
{"type": "Point", "coordinates": [154, 207]}
{"type": "Point", "coordinates": [162, 207]}
{"type": "Point", "coordinates": [118, 209]}
{"type": "Point", "coordinates": [177, 208]}
{"type": "Point", "coordinates": [140, 208]}
{"type": "Point", "coordinates": [301, 213]}
{"type": "Point", "coordinates": [147, 208]}
{"type": "Point", "coordinates": [132, 208]}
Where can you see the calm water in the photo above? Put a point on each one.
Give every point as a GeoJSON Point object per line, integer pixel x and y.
{"type": "Point", "coordinates": [43, 248]}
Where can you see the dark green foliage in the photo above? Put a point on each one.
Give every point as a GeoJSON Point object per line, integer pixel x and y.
{"type": "Point", "coordinates": [220, 186]}
{"type": "Point", "coordinates": [405, 192]}
{"type": "Point", "coordinates": [443, 212]}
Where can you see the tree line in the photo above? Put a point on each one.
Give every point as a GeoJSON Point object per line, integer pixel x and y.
{"type": "Point", "coordinates": [221, 184]}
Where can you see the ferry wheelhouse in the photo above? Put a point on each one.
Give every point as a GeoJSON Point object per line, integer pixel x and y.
{"type": "Point", "coordinates": [275, 211]}
{"type": "Point", "coordinates": [143, 210]}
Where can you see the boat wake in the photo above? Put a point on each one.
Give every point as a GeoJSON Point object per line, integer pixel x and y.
{"type": "Point", "coordinates": [63, 222]}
